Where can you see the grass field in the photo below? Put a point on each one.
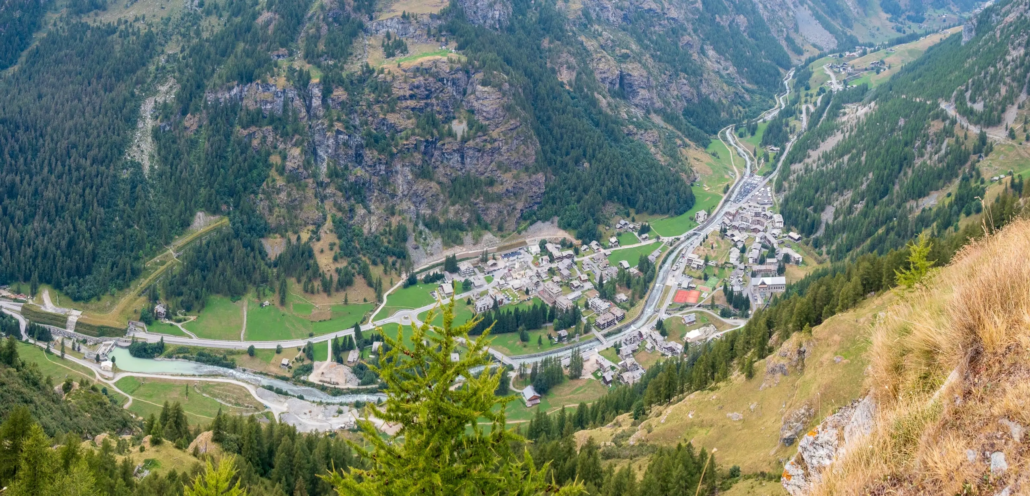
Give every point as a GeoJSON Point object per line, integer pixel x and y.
{"type": "Point", "coordinates": [632, 255]}
{"type": "Point", "coordinates": [272, 323]}
{"type": "Point", "coordinates": [162, 328]}
{"type": "Point", "coordinates": [408, 298]}
{"type": "Point", "coordinates": [200, 405]}
{"type": "Point", "coordinates": [568, 394]}
{"type": "Point", "coordinates": [343, 317]}
{"type": "Point", "coordinates": [610, 354]}
{"type": "Point", "coordinates": [462, 313]}
{"type": "Point", "coordinates": [221, 319]}
{"type": "Point", "coordinates": [675, 226]}
{"type": "Point", "coordinates": [628, 238]}
{"type": "Point", "coordinates": [752, 142]}
{"type": "Point", "coordinates": [404, 332]}
{"type": "Point", "coordinates": [53, 365]}
{"type": "Point", "coordinates": [509, 344]}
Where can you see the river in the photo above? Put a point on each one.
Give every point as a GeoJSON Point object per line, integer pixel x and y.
{"type": "Point", "coordinates": [128, 363]}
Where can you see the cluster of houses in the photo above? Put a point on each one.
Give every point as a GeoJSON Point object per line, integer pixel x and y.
{"type": "Point", "coordinates": [754, 231]}
{"type": "Point", "coordinates": [547, 271]}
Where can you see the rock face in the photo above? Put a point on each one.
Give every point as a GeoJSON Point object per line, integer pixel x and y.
{"type": "Point", "coordinates": [969, 30]}
{"type": "Point", "coordinates": [339, 166]}
{"type": "Point", "coordinates": [822, 445]}
{"type": "Point", "coordinates": [490, 13]}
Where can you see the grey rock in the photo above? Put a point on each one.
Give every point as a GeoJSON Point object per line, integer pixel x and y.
{"type": "Point", "coordinates": [970, 455]}
{"type": "Point", "coordinates": [489, 13]}
{"type": "Point", "coordinates": [998, 463]}
{"type": "Point", "coordinates": [818, 449]}
{"type": "Point", "coordinates": [794, 423]}
{"type": "Point", "coordinates": [1015, 429]}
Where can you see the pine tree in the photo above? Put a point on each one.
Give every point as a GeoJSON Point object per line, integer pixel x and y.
{"type": "Point", "coordinates": [918, 264]}
{"type": "Point", "coordinates": [216, 481]}
{"type": "Point", "coordinates": [441, 447]}
{"type": "Point", "coordinates": [38, 464]}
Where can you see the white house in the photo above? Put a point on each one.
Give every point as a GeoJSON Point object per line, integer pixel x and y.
{"type": "Point", "coordinates": [484, 304]}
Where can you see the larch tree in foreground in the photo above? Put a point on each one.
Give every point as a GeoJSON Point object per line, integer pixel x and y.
{"type": "Point", "coordinates": [440, 447]}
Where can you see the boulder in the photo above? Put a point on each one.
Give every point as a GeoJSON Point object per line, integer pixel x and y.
{"type": "Point", "coordinates": [821, 446]}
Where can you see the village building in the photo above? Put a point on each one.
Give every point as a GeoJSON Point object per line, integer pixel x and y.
{"type": "Point", "coordinates": [465, 269]}
{"type": "Point", "coordinates": [794, 236]}
{"type": "Point", "coordinates": [285, 363]}
{"type": "Point", "coordinates": [689, 318]}
{"type": "Point", "coordinates": [618, 313]}
{"type": "Point", "coordinates": [764, 270]}
{"type": "Point", "coordinates": [605, 321]}
{"type": "Point", "coordinates": [621, 298]}
{"type": "Point", "coordinates": [606, 378]}
{"type": "Point", "coordinates": [701, 216]}
{"type": "Point", "coordinates": [552, 289]}
{"type": "Point", "coordinates": [352, 357]}
{"type": "Point", "coordinates": [530, 396]}
{"type": "Point", "coordinates": [794, 257]}
{"type": "Point", "coordinates": [563, 303]}
{"type": "Point", "coordinates": [631, 377]}
{"type": "Point", "coordinates": [563, 335]}
{"type": "Point", "coordinates": [598, 305]}
{"type": "Point", "coordinates": [446, 290]}
{"type": "Point", "coordinates": [484, 304]}
{"type": "Point", "coordinates": [770, 285]}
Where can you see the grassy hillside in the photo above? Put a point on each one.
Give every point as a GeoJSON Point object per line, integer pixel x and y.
{"type": "Point", "coordinates": [829, 376]}
{"type": "Point", "coordinates": [949, 375]}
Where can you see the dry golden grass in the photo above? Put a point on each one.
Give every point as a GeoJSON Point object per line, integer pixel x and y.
{"type": "Point", "coordinates": [950, 371]}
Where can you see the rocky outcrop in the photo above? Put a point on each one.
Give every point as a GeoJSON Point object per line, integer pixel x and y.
{"type": "Point", "coordinates": [818, 449]}
{"type": "Point", "coordinates": [270, 98]}
{"type": "Point", "coordinates": [794, 423]}
{"type": "Point", "coordinates": [412, 28]}
{"type": "Point", "coordinates": [489, 13]}
{"type": "Point", "coordinates": [968, 30]}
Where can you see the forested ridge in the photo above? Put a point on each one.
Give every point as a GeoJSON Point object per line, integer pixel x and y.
{"type": "Point", "coordinates": [73, 210]}
{"type": "Point", "coordinates": [582, 146]}
{"type": "Point", "coordinates": [868, 192]}
{"type": "Point", "coordinates": [19, 19]}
